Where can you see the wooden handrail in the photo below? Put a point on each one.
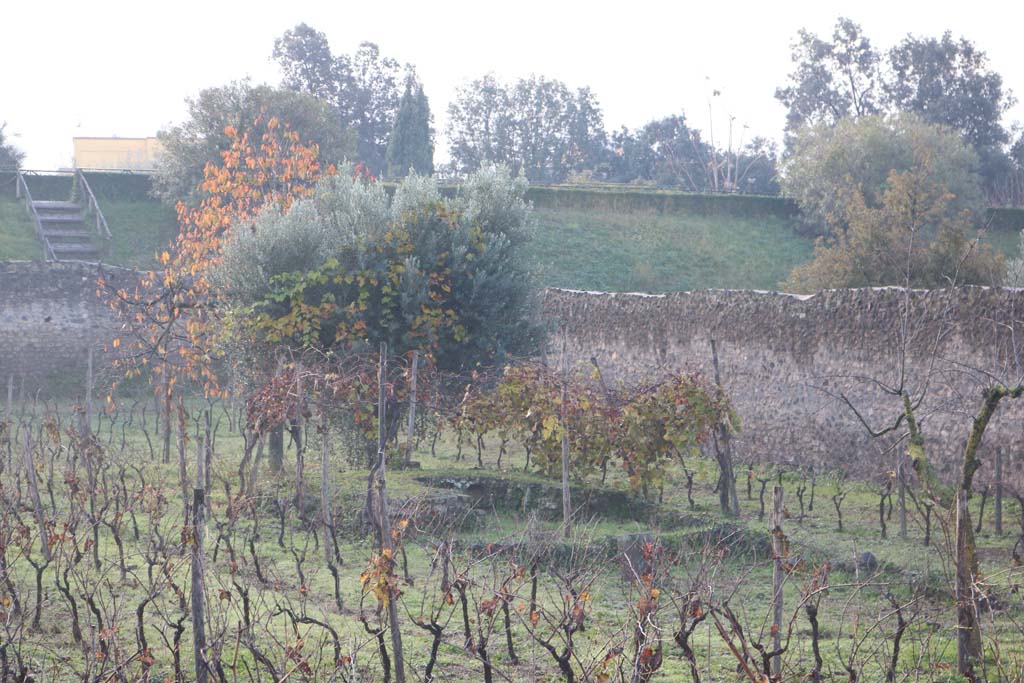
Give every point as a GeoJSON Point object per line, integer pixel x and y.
{"type": "Point", "coordinates": [21, 189]}
{"type": "Point", "coordinates": [102, 229]}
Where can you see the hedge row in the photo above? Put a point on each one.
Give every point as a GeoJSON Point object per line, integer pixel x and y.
{"type": "Point", "coordinates": [618, 200]}
{"type": "Point", "coordinates": [109, 185]}
{"type": "Point", "coordinates": [129, 186]}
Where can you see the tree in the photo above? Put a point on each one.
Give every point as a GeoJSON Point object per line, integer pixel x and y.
{"type": "Point", "coordinates": [948, 82]}
{"type": "Point", "coordinates": [910, 238]}
{"type": "Point", "coordinates": [668, 153]}
{"type": "Point", "coordinates": [169, 319]}
{"type": "Point", "coordinates": [536, 126]}
{"type": "Point", "coordinates": [364, 88]}
{"type": "Point", "coordinates": [826, 161]}
{"type": "Point", "coordinates": [350, 268]}
{"type": "Point", "coordinates": [411, 144]}
{"type": "Point", "coordinates": [832, 80]}
{"type": "Point", "coordinates": [246, 109]}
{"type": "Point", "coordinates": [10, 156]}
{"type": "Point", "coordinates": [944, 81]}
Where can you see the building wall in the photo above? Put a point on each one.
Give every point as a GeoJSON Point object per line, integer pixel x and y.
{"type": "Point", "coordinates": [137, 154]}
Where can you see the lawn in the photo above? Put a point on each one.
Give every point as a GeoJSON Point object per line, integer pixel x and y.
{"type": "Point", "coordinates": [661, 253]}
{"type": "Point", "coordinates": [17, 238]}
{"type": "Point", "coordinates": [139, 230]}
{"type": "Point", "coordinates": [571, 248]}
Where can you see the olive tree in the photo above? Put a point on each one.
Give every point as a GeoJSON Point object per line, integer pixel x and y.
{"type": "Point", "coordinates": [352, 266]}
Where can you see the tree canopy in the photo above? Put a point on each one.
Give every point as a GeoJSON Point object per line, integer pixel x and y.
{"type": "Point", "coordinates": [536, 126]}
{"type": "Point", "coordinates": [910, 234]}
{"type": "Point", "coordinates": [669, 153]}
{"type": "Point", "coordinates": [351, 267]}
{"type": "Point", "coordinates": [364, 89]}
{"type": "Point", "coordinates": [411, 144]}
{"type": "Point", "coordinates": [826, 162]}
{"type": "Point", "coordinates": [10, 156]}
{"type": "Point", "coordinates": [943, 80]}
{"type": "Point", "coordinates": [245, 108]}
{"type": "Point", "coordinates": [831, 80]}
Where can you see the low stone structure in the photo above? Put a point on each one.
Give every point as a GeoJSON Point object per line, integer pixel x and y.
{"type": "Point", "coordinates": [50, 316]}
{"type": "Point", "coordinates": [785, 361]}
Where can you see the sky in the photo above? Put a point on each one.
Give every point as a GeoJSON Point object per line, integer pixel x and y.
{"type": "Point", "coordinates": [126, 68]}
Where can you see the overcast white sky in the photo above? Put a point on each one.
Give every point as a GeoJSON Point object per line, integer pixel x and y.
{"type": "Point", "coordinates": [125, 68]}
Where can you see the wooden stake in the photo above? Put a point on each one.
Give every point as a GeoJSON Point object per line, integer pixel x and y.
{"type": "Point", "coordinates": [566, 491]}
{"type": "Point", "coordinates": [778, 577]}
{"type": "Point", "coordinates": [411, 428]}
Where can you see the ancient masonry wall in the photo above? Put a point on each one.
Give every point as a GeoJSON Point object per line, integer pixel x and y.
{"type": "Point", "coordinates": [787, 360]}
{"type": "Point", "coordinates": [50, 316]}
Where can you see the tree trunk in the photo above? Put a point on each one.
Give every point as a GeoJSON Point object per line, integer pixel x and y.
{"type": "Point", "coordinates": [33, 488]}
{"type": "Point", "coordinates": [275, 448]}
{"type": "Point", "coordinates": [728, 499]}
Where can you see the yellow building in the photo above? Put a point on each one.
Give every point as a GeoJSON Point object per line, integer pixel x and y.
{"type": "Point", "coordinates": [135, 154]}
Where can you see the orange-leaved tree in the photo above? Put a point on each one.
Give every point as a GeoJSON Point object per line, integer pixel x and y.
{"type": "Point", "coordinates": [168, 318]}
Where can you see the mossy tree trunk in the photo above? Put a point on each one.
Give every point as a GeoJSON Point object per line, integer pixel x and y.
{"type": "Point", "coordinates": [969, 647]}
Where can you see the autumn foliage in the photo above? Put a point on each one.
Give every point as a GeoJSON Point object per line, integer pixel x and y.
{"type": "Point", "coordinates": [641, 429]}
{"type": "Point", "coordinates": [169, 319]}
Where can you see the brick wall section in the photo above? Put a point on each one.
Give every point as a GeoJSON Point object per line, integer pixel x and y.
{"type": "Point", "coordinates": [782, 356]}
{"type": "Point", "coordinates": [50, 316]}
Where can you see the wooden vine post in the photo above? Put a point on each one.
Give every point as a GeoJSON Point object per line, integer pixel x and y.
{"type": "Point", "coordinates": [566, 492]}
{"type": "Point", "coordinates": [999, 492]}
{"type": "Point", "coordinates": [379, 488]}
{"type": "Point", "coordinates": [778, 578]}
{"type": "Point", "coordinates": [325, 482]}
{"type": "Point", "coordinates": [411, 427]}
{"type": "Point", "coordinates": [198, 564]}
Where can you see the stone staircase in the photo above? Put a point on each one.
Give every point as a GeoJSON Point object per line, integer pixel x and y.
{"type": "Point", "coordinates": [64, 230]}
{"type": "Point", "coordinates": [65, 227]}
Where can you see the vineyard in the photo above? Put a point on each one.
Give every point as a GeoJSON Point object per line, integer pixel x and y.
{"type": "Point", "coordinates": [335, 438]}
{"type": "Point", "coordinates": [129, 540]}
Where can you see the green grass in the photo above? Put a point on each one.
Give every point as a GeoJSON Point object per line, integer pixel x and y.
{"type": "Point", "coordinates": [659, 253]}
{"type": "Point", "coordinates": [138, 231]}
{"type": "Point", "coordinates": [17, 239]}
{"type": "Point", "coordinates": [572, 248]}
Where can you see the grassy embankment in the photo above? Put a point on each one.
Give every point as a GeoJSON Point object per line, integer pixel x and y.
{"type": "Point", "coordinates": [573, 248]}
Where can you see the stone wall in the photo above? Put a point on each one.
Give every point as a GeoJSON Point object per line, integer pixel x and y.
{"type": "Point", "coordinates": [50, 316]}
{"type": "Point", "coordinates": [786, 360]}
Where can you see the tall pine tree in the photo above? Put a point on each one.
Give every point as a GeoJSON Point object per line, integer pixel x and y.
{"type": "Point", "coordinates": [411, 145]}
